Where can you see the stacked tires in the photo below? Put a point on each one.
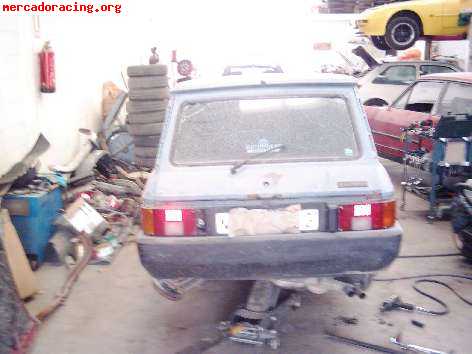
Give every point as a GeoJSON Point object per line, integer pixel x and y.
{"type": "Point", "coordinates": [148, 94]}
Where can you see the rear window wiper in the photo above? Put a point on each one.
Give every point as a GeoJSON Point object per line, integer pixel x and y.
{"type": "Point", "coordinates": [237, 166]}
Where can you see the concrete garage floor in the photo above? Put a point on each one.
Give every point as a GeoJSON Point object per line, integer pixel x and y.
{"type": "Point", "coordinates": [114, 309]}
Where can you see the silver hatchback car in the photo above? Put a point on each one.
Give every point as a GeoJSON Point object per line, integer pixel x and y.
{"type": "Point", "coordinates": [268, 178]}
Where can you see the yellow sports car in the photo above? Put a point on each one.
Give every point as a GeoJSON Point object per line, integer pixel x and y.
{"type": "Point", "coordinates": [399, 25]}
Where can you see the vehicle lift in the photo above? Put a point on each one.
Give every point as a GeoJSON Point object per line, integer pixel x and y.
{"type": "Point", "coordinates": [454, 128]}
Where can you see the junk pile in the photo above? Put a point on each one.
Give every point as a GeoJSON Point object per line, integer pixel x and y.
{"type": "Point", "coordinates": [148, 93]}
{"type": "Point", "coordinates": [75, 214]}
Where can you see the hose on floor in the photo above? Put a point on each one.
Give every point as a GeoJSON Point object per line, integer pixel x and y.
{"type": "Point", "coordinates": [63, 294]}
{"type": "Point", "coordinates": [421, 279]}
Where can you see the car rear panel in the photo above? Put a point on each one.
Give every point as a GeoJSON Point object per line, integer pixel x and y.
{"type": "Point", "coordinates": [313, 185]}
{"type": "Point", "coordinates": [270, 256]}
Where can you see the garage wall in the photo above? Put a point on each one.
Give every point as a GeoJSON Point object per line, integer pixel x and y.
{"type": "Point", "coordinates": [18, 95]}
{"type": "Point", "coordinates": [89, 51]}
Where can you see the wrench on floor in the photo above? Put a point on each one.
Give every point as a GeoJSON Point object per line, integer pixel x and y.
{"type": "Point", "coordinates": [414, 348]}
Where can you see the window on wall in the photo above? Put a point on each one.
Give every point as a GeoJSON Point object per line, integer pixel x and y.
{"type": "Point", "coordinates": [397, 75]}
{"type": "Point", "coordinates": [435, 69]}
{"type": "Point", "coordinates": [457, 99]}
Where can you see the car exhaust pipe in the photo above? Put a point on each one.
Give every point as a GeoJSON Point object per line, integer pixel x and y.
{"type": "Point", "coordinates": [351, 291]}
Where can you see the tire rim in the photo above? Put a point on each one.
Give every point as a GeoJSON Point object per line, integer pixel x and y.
{"type": "Point", "coordinates": [403, 33]}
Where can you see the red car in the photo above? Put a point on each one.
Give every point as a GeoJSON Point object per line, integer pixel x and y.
{"type": "Point", "coordinates": [427, 99]}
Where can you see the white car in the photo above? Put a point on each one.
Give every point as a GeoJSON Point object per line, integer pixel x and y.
{"type": "Point", "coordinates": [270, 178]}
{"type": "Point", "coordinates": [386, 81]}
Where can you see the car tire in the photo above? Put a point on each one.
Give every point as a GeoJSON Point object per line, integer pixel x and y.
{"type": "Point", "coordinates": [146, 152]}
{"type": "Point", "coordinates": [139, 82]}
{"type": "Point", "coordinates": [146, 141]}
{"type": "Point", "coordinates": [145, 106]}
{"type": "Point", "coordinates": [147, 70]}
{"type": "Point", "coordinates": [146, 117]}
{"type": "Point", "coordinates": [144, 161]}
{"type": "Point", "coordinates": [145, 129]}
{"type": "Point", "coordinates": [402, 32]}
{"type": "Point", "coordinates": [144, 94]}
{"type": "Point", "coordinates": [379, 42]}
{"type": "Point", "coordinates": [375, 102]}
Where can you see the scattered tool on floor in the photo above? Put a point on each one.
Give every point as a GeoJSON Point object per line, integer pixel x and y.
{"type": "Point", "coordinates": [394, 302]}
{"type": "Point", "coordinates": [361, 344]}
{"type": "Point", "coordinates": [413, 347]}
{"type": "Point", "coordinates": [245, 332]}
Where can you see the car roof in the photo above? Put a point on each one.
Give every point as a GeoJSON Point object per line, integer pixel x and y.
{"type": "Point", "coordinates": [459, 77]}
{"type": "Point", "coordinates": [239, 81]}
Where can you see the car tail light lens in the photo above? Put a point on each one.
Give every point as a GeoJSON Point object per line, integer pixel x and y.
{"type": "Point", "coordinates": [170, 222]}
{"type": "Point", "coordinates": [369, 216]}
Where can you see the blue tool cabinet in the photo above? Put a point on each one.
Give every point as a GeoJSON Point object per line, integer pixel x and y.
{"type": "Point", "coordinates": [33, 216]}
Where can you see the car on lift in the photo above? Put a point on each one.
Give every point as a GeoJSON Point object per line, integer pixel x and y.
{"type": "Point", "coordinates": [399, 25]}
{"type": "Point", "coordinates": [268, 178]}
{"type": "Point", "coordinates": [427, 99]}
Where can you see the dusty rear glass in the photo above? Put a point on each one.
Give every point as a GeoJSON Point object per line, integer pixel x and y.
{"type": "Point", "coordinates": [227, 131]}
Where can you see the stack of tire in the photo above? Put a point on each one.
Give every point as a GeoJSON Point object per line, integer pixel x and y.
{"type": "Point", "coordinates": [341, 6]}
{"type": "Point", "coordinates": [148, 95]}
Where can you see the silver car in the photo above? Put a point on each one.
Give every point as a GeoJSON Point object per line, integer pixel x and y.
{"type": "Point", "coordinates": [386, 81]}
{"type": "Point", "coordinates": [269, 178]}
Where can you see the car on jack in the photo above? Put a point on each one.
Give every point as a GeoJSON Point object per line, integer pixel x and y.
{"type": "Point", "coordinates": [268, 178]}
{"type": "Point", "coordinates": [399, 25]}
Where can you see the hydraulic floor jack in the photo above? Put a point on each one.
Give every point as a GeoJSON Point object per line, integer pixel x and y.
{"type": "Point", "coordinates": [254, 323]}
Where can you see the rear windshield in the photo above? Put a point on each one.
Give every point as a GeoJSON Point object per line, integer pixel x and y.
{"type": "Point", "coordinates": [227, 131]}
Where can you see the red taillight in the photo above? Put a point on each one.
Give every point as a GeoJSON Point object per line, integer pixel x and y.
{"type": "Point", "coordinates": [368, 216]}
{"type": "Point", "coordinates": [169, 222]}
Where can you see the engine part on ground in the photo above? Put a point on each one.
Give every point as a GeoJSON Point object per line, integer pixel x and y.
{"type": "Point", "coordinates": [361, 344]}
{"type": "Point", "coordinates": [394, 302]}
{"type": "Point", "coordinates": [413, 347]}
{"type": "Point", "coordinates": [63, 294]}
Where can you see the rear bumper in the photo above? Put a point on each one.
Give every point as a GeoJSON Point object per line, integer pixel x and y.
{"type": "Point", "coordinates": [270, 256]}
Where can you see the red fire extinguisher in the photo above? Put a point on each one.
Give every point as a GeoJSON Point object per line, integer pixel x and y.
{"type": "Point", "coordinates": [47, 69]}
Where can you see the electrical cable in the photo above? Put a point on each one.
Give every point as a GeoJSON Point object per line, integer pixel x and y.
{"type": "Point", "coordinates": [421, 279]}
